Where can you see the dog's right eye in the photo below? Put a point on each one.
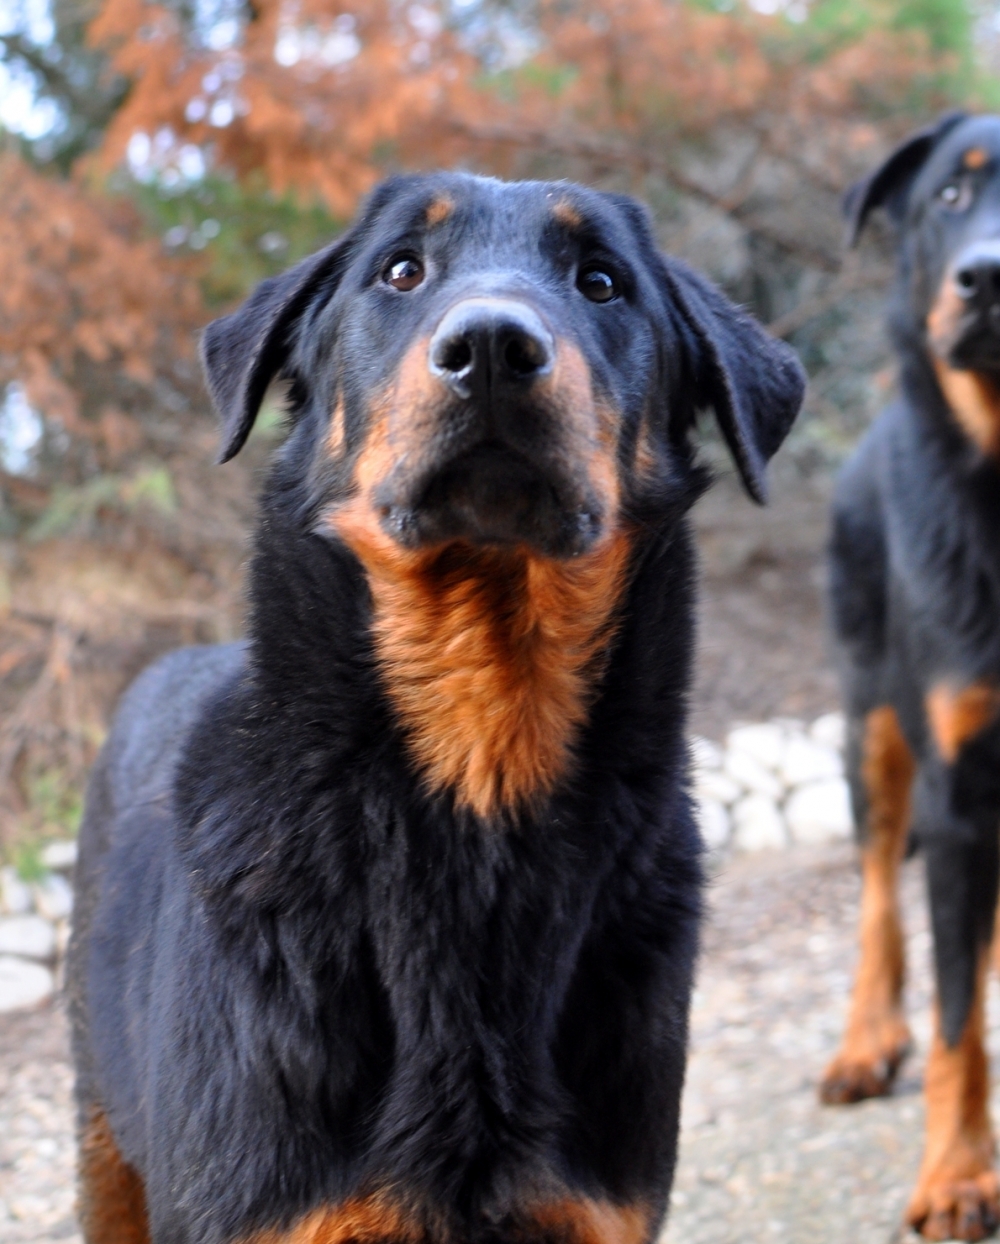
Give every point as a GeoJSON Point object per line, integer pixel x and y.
{"type": "Point", "coordinates": [403, 273]}
{"type": "Point", "coordinates": [596, 284]}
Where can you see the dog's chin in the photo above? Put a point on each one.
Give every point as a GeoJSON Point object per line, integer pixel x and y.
{"type": "Point", "coordinates": [976, 348]}
{"type": "Point", "coordinates": [494, 497]}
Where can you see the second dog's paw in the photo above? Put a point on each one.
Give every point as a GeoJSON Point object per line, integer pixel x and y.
{"type": "Point", "coordinates": [850, 1077]}
{"type": "Point", "coordinates": [956, 1209]}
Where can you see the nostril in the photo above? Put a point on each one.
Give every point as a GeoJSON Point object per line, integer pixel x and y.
{"type": "Point", "coordinates": [524, 356]}
{"type": "Point", "coordinates": [454, 356]}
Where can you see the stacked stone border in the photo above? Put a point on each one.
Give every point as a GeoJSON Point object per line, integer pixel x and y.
{"type": "Point", "coordinates": [34, 929]}
{"type": "Point", "coordinates": [773, 784]}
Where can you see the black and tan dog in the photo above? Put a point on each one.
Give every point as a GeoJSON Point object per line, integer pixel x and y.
{"type": "Point", "coordinates": [915, 561]}
{"type": "Point", "coordinates": [387, 918]}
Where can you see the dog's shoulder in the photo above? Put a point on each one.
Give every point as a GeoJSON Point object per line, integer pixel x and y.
{"type": "Point", "coordinates": [157, 713]}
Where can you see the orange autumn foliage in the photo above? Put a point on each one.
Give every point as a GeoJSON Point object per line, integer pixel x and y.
{"type": "Point", "coordinates": [324, 102]}
{"type": "Point", "coordinates": [82, 290]}
{"type": "Point", "coordinates": [315, 125]}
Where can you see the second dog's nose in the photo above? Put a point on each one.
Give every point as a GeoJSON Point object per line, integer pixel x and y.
{"type": "Point", "coordinates": [490, 342]}
{"type": "Point", "coordinates": [977, 273]}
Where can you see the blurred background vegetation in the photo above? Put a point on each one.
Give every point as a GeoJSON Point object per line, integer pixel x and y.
{"type": "Point", "coordinates": [158, 159]}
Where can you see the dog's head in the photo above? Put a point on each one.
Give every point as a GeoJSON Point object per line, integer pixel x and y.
{"type": "Point", "coordinates": [941, 190]}
{"type": "Point", "coordinates": [500, 364]}
{"type": "Point", "coordinates": [493, 388]}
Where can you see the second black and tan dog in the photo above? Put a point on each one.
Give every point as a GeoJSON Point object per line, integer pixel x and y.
{"type": "Point", "coordinates": [915, 582]}
{"type": "Point", "coordinates": [387, 918]}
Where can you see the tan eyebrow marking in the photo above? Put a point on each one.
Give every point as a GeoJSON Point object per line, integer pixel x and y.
{"type": "Point", "coordinates": [975, 157]}
{"type": "Point", "coordinates": [439, 211]}
{"type": "Point", "coordinates": [567, 215]}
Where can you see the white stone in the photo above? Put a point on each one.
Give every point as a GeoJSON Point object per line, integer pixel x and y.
{"type": "Point", "coordinates": [705, 753]}
{"type": "Point", "coordinates": [30, 936]}
{"type": "Point", "coordinates": [764, 743]}
{"type": "Point", "coordinates": [54, 897]}
{"type": "Point", "coordinates": [758, 825]}
{"type": "Point", "coordinates": [23, 984]}
{"type": "Point", "coordinates": [59, 856]}
{"type": "Point", "coordinates": [715, 785]}
{"type": "Point", "coordinates": [819, 812]}
{"type": "Point", "coordinates": [15, 896]}
{"type": "Point", "coordinates": [751, 775]}
{"type": "Point", "coordinates": [714, 821]}
{"type": "Point", "coordinates": [830, 730]}
{"type": "Point", "coordinates": [807, 761]}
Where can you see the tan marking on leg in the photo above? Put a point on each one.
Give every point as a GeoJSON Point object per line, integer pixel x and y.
{"type": "Point", "coordinates": [112, 1202]}
{"type": "Point", "coordinates": [586, 1221]}
{"type": "Point", "coordinates": [955, 716]}
{"type": "Point", "coordinates": [439, 211]}
{"type": "Point", "coordinates": [976, 157]}
{"type": "Point", "coordinates": [956, 1196]}
{"type": "Point", "coordinates": [974, 400]}
{"type": "Point", "coordinates": [877, 1037]}
{"type": "Point", "coordinates": [375, 1219]}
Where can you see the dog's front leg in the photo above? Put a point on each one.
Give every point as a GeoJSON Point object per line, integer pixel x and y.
{"type": "Point", "coordinates": [957, 1194]}
{"type": "Point", "coordinates": [877, 1038]}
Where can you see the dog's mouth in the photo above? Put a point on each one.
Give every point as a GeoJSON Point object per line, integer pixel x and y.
{"type": "Point", "coordinates": [974, 343]}
{"type": "Point", "coordinates": [963, 325]}
{"type": "Point", "coordinates": [492, 494]}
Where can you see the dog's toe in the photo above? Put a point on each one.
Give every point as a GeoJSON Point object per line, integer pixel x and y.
{"type": "Point", "coordinates": [849, 1080]}
{"type": "Point", "coordinates": [967, 1209]}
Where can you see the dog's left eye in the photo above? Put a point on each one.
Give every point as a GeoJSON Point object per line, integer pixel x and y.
{"type": "Point", "coordinates": [403, 273]}
{"type": "Point", "coordinates": [956, 195]}
{"type": "Point", "coordinates": [597, 285]}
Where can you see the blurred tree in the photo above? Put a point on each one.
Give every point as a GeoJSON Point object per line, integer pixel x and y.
{"type": "Point", "coordinates": [70, 80]}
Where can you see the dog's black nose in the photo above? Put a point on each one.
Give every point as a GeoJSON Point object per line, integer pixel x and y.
{"type": "Point", "coordinates": [487, 342]}
{"type": "Point", "coordinates": [977, 273]}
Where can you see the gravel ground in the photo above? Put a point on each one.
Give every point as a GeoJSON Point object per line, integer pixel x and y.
{"type": "Point", "coordinates": [761, 1161]}
{"type": "Point", "coordinates": [36, 1136]}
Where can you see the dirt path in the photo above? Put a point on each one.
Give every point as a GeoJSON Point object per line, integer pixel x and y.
{"type": "Point", "coordinates": [761, 1160]}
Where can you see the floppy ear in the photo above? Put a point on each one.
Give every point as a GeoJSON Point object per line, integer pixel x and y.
{"type": "Point", "coordinates": [754, 382]}
{"type": "Point", "coordinates": [243, 352]}
{"type": "Point", "coordinates": [887, 186]}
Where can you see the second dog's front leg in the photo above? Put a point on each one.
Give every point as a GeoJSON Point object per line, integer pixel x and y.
{"type": "Point", "coordinates": [957, 1194]}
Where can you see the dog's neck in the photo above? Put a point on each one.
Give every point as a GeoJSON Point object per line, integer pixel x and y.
{"type": "Point", "coordinates": [490, 657]}
{"type": "Point", "coordinates": [974, 401]}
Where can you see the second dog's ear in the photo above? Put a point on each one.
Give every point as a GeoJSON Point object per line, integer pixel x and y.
{"type": "Point", "coordinates": [887, 185]}
{"type": "Point", "coordinates": [243, 352]}
{"type": "Point", "coordinates": [753, 382]}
